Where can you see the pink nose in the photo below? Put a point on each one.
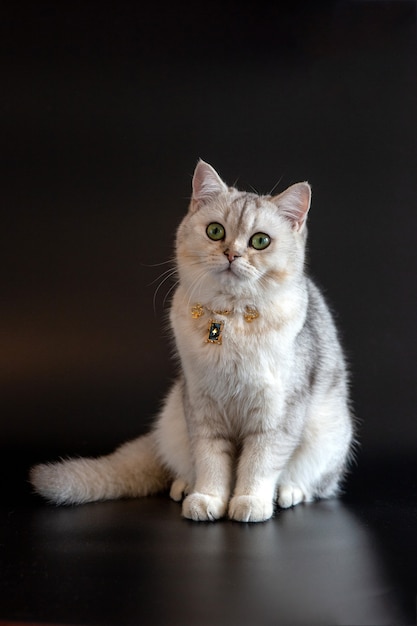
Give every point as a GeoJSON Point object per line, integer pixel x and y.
{"type": "Point", "coordinates": [231, 255]}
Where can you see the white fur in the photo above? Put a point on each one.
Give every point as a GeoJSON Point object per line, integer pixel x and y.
{"type": "Point", "coordinates": [256, 418]}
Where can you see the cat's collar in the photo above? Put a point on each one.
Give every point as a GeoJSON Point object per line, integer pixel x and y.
{"type": "Point", "coordinates": [250, 313]}
{"type": "Point", "coordinates": [215, 326]}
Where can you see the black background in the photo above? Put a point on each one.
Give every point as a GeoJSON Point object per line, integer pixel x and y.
{"type": "Point", "coordinates": [105, 109]}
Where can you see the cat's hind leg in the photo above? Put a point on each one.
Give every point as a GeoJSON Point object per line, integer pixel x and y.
{"type": "Point", "coordinates": [317, 466]}
{"type": "Point", "coordinates": [305, 479]}
{"type": "Point", "coordinates": [179, 489]}
{"type": "Point", "coordinates": [290, 495]}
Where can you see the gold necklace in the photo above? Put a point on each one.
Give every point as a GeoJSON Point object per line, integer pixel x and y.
{"type": "Point", "coordinates": [215, 327]}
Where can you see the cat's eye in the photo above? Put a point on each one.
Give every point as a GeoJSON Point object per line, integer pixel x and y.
{"type": "Point", "coordinates": [260, 241]}
{"type": "Point", "coordinates": [215, 231]}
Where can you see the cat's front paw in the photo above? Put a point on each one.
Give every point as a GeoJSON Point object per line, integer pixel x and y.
{"type": "Point", "coordinates": [250, 509]}
{"type": "Point", "coordinates": [201, 507]}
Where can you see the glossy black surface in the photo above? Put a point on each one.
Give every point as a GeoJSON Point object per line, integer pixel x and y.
{"type": "Point", "coordinates": [346, 561]}
{"type": "Point", "coordinates": [106, 109]}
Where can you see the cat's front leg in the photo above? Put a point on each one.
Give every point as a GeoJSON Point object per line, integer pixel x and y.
{"type": "Point", "coordinates": [258, 471]}
{"type": "Point", "coordinates": [213, 470]}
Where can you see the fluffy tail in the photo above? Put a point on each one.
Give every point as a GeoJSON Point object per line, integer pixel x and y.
{"type": "Point", "coordinates": [132, 470]}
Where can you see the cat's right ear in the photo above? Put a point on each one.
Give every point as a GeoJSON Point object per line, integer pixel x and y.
{"type": "Point", "coordinates": [206, 184]}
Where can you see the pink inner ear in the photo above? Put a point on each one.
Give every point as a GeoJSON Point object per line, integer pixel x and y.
{"type": "Point", "coordinates": [304, 203]}
{"type": "Point", "coordinates": [206, 182]}
{"type": "Point", "coordinates": [294, 203]}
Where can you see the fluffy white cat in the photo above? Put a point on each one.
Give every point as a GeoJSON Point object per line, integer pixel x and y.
{"type": "Point", "coordinates": [260, 410]}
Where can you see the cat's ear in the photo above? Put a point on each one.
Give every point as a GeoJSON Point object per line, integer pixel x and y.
{"type": "Point", "coordinates": [206, 184]}
{"type": "Point", "coordinates": [294, 204]}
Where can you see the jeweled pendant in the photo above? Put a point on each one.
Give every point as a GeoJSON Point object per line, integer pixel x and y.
{"type": "Point", "coordinates": [215, 331]}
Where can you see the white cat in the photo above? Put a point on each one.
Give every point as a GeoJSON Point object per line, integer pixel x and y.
{"type": "Point", "coordinates": [260, 409]}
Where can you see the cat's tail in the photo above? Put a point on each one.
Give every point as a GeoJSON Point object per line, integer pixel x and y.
{"type": "Point", "coordinates": [132, 470]}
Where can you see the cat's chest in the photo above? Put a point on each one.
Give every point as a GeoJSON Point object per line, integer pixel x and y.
{"type": "Point", "coordinates": [223, 351]}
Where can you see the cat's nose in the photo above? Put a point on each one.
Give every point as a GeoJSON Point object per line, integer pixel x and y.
{"type": "Point", "coordinates": [231, 255]}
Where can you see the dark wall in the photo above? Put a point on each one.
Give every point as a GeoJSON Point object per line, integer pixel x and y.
{"type": "Point", "coordinates": [106, 108]}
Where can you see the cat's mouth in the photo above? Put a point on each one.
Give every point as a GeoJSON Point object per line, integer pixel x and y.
{"type": "Point", "coordinates": [232, 269]}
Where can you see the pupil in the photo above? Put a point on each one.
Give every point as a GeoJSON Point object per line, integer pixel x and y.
{"type": "Point", "coordinates": [260, 241]}
{"type": "Point", "coordinates": [215, 231]}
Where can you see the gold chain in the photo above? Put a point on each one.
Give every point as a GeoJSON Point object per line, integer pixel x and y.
{"type": "Point", "coordinates": [251, 313]}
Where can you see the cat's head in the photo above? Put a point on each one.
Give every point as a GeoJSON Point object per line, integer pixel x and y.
{"type": "Point", "coordinates": [238, 244]}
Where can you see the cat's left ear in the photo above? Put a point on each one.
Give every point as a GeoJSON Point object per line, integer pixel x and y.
{"type": "Point", "coordinates": [294, 204]}
{"type": "Point", "coordinates": [206, 184]}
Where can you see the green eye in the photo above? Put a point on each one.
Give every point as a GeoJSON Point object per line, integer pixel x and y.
{"type": "Point", "coordinates": [215, 231]}
{"type": "Point", "coordinates": [260, 241]}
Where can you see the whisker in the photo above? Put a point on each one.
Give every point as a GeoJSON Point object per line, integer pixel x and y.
{"type": "Point", "coordinates": [158, 264]}
{"type": "Point", "coordinates": [174, 286]}
{"type": "Point", "coordinates": [275, 186]}
{"type": "Point", "coordinates": [168, 271]}
{"type": "Point", "coordinates": [192, 288]}
{"type": "Point", "coordinates": [168, 274]}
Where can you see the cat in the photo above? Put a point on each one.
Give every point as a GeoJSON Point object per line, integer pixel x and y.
{"type": "Point", "coordinates": [259, 414]}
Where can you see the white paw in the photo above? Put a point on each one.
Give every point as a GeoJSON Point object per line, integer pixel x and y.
{"type": "Point", "coordinates": [250, 509]}
{"type": "Point", "coordinates": [290, 496]}
{"type": "Point", "coordinates": [179, 489]}
{"type": "Point", "coordinates": [201, 507]}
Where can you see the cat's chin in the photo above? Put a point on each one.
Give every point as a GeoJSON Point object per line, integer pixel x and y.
{"type": "Point", "coordinates": [231, 281]}
{"type": "Point", "coordinates": [233, 271]}
{"type": "Point", "coordinates": [236, 287]}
